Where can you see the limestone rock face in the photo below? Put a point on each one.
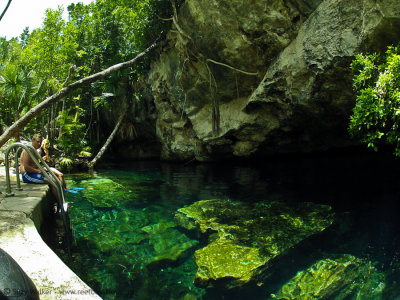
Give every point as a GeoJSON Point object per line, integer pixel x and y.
{"type": "Point", "coordinates": [309, 85]}
{"type": "Point", "coordinates": [240, 78]}
{"type": "Point", "coordinates": [244, 238]}
{"type": "Point", "coordinates": [243, 35]}
{"type": "Point", "coordinates": [344, 277]}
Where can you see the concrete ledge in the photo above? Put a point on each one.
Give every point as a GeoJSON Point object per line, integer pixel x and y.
{"type": "Point", "coordinates": [20, 218]}
{"type": "Point", "coordinates": [33, 201]}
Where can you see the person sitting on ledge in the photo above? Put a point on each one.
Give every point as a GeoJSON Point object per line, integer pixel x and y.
{"type": "Point", "coordinates": [31, 172]}
{"type": "Point", "coordinates": [44, 153]}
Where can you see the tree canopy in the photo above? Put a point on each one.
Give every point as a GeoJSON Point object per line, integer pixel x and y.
{"type": "Point", "coordinates": [376, 115]}
{"type": "Point", "coordinates": [95, 37]}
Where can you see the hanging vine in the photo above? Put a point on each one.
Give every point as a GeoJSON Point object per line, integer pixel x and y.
{"type": "Point", "coordinates": [197, 54]}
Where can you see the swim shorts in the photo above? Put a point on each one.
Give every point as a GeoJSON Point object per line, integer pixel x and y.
{"type": "Point", "coordinates": [32, 177]}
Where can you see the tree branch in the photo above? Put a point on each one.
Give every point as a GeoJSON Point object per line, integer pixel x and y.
{"type": "Point", "coordinates": [4, 11]}
{"type": "Point", "coordinates": [175, 20]}
{"type": "Point", "coordinates": [228, 66]}
{"type": "Point", "coordinates": [71, 68]}
{"type": "Point", "coordinates": [33, 112]}
{"type": "Point", "coordinates": [164, 19]}
{"type": "Point", "coordinates": [108, 142]}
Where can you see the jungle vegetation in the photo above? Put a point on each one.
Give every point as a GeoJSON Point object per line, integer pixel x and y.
{"type": "Point", "coordinates": [38, 64]}
{"type": "Point", "coordinates": [376, 115]}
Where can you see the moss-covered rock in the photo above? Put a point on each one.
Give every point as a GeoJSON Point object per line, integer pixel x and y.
{"type": "Point", "coordinates": [223, 259]}
{"type": "Point", "coordinates": [105, 193]}
{"type": "Point", "coordinates": [157, 228]}
{"type": "Point", "coordinates": [345, 277]}
{"type": "Point", "coordinates": [247, 236]}
{"type": "Point", "coordinates": [95, 189]}
{"type": "Point", "coordinates": [168, 246]}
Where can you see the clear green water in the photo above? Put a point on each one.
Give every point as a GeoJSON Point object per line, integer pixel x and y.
{"type": "Point", "coordinates": [115, 253]}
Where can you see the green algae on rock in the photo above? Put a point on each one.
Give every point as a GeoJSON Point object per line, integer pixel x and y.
{"type": "Point", "coordinates": [118, 192]}
{"type": "Point", "coordinates": [345, 277]}
{"type": "Point", "coordinates": [248, 235]}
{"type": "Point", "coordinates": [95, 189]}
{"type": "Point", "coordinates": [157, 228]}
{"type": "Point", "coordinates": [227, 259]}
{"type": "Point", "coordinates": [131, 244]}
{"type": "Point", "coordinates": [168, 245]}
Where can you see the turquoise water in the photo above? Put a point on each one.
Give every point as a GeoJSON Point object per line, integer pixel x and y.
{"type": "Point", "coordinates": [123, 221]}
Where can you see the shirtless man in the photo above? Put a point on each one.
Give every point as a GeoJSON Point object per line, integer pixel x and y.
{"type": "Point", "coordinates": [31, 172]}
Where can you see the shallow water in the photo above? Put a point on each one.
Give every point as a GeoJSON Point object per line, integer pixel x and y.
{"type": "Point", "coordinates": [114, 251]}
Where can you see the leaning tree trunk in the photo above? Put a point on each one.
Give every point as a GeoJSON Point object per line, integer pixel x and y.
{"type": "Point", "coordinates": [4, 11]}
{"type": "Point", "coordinates": [107, 143]}
{"type": "Point", "coordinates": [33, 112]}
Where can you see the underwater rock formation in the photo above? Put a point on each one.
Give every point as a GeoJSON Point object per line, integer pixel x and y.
{"type": "Point", "coordinates": [122, 191]}
{"type": "Point", "coordinates": [129, 243]}
{"type": "Point", "coordinates": [160, 244]}
{"type": "Point", "coordinates": [94, 189]}
{"type": "Point", "coordinates": [245, 237]}
{"type": "Point", "coordinates": [169, 245]}
{"type": "Point", "coordinates": [345, 277]}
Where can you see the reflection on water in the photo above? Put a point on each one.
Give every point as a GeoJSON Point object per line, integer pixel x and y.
{"type": "Point", "coordinates": [127, 246]}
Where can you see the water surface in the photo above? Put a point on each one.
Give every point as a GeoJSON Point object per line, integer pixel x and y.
{"type": "Point", "coordinates": [114, 251]}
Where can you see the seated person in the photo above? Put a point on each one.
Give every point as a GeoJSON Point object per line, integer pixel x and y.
{"type": "Point", "coordinates": [44, 153]}
{"type": "Point", "coordinates": [30, 171]}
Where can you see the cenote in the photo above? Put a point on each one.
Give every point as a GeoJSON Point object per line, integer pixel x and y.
{"type": "Point", "coordinates": [129, 245]}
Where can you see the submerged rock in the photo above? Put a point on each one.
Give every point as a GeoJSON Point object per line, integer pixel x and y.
{"type": "Point", "coordinates": [97, 191]}
{"type": "Point", "coordinates": [224, 259]}
{"type": "Point", "coordinates": [247, 236]}
{"type": "Point", "coordinates": [168, 246]}
{"type": "Point", "coordinates": [157, 228]}
{"type": "Point", "coordinates": [346, 277]}
{"type": "Point", "coordinates": [104, 193]}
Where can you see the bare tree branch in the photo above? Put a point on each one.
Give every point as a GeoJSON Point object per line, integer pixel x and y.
{"type": "Point", "coordinates": [232, 68]}
{"type": "Point", "coordinates": [108, 142]}
{"type": "Point", "coordinates": [33, 112]}
{"type": "Point", "coordinates": [4, 11]}
{"type": "Point", "coordinates": [175, 20]}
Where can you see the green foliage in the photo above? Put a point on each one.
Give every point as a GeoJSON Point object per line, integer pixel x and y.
{"type": "Point", "coordinates": [17, 86]}
{"type": "Point", "coordinates": [96, 36]}
{"type": "Point", "coordinates": [72, 135]}
{"type": "Point", "coordinates": [85, 154]}
{"type": "Point", "coordinates": [376, 115]}
{"type": "Point", "coordinates": [66, 163]}
{"type": "Point", "coordinates": [51, 49]}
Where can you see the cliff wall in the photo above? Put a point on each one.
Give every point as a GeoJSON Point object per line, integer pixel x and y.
{"type": "Point", "coordinates": [258, 77]}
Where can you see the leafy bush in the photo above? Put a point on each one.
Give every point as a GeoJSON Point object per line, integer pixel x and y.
{"type": "Point", "coordinates": [376, 115]}
{"type": "Point", "coordinates": [66, 163]}
{"type": "Point", "coordinates": [72, 135]}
